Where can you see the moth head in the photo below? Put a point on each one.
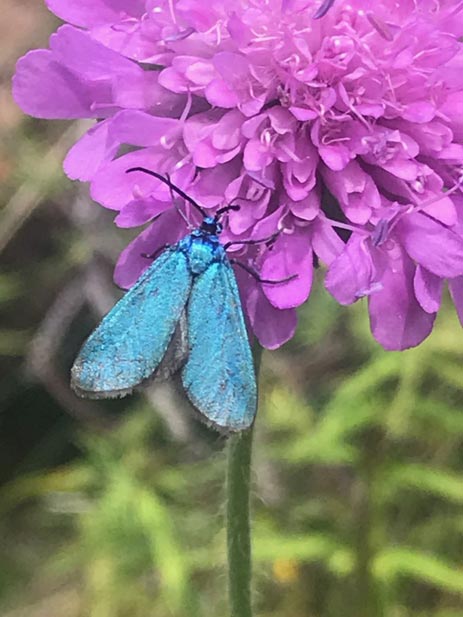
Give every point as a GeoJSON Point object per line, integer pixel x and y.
{"type": "Point", "coordinates": [211, 226]}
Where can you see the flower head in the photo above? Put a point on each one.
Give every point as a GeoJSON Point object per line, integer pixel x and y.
{"type": "Point", "coordinates": [338, 125]}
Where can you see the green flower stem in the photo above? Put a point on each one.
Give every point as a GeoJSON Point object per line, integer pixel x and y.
{"type": "Point", "coordinates": [238, 519]}
{"type": "Point", "coordinates": [238, 524]}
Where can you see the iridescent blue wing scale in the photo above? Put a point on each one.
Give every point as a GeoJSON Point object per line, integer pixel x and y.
{"type": "Point", "coordinates": [218, 376]}
{"type": "Point", "coordinates": [128, 346]}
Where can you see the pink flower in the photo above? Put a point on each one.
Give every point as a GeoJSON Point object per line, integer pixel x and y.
{"type": "Point", "coordinates": [339, 125]}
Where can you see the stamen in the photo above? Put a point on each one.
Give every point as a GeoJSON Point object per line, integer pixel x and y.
{"type": "Point", "coordinates": [380, 232]}
{"type": "Point", "coordinates": [326, 141]}
{"type": "Point", "coordinates": [346, 226]}
{"type": "Point", "coordinates": [172, 11]}
{"type": "Point", "coordinates": [122, 26]}
{"type": "Point", "coordinates": [374, 287]}
{"type": "Point", "coordinates": [164, 142]}
{"type": "Point", "coordinates": [267, 138]}
{"type": "Point", "coordinates": [137, 192]}
{"type": "Point", "coordinates": [418, 207]}
{"type": "Point", "coordinates": [380, 26]}
{"type": "Point", "coordinates": [417, 186]}
{"type": "Point", "coordinates": [292, 155]}
{"type": "Point", "coordinates": [187, 109]}
{"type": "Point", "coordinates": [183, 162]}
{"type": "Point", "coordinates": [219, 33]}
{"type": "Point", "coordinates": [180, 36]}
{"type": "Point", "coordinates": [323, 9]}
{"type": "Point", "coordinates": [437, 198]}
{"type": "Point", "coordinates": [95, 106]}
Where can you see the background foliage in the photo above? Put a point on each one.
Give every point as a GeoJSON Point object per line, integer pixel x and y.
{"type": "Point", "coordinates": [115, 509]}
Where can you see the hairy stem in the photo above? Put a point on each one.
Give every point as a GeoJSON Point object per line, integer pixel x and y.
{"type": "Point", "coordinates": [238, 519]}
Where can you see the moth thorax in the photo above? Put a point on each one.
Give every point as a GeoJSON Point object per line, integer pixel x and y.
{"type": "Point", "coordinates": [201, 256]}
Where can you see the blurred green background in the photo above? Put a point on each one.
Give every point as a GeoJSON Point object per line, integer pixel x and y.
{"type": "Point", "coordinates": [115, 509]}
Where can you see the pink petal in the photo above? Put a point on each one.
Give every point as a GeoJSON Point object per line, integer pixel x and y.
{"type": "Point", "coordinates": [272, 327]}
{"type": "Point", "coordinates": [283, 123]}
{"type": "Point", "coordinates": [252, 106]}
{"type": "Point", "coordinates": [353, 273]}
{"type": "Point", "coordinates": [140, 211]}
{"type": "Point", "coordinates": [227, 132]}
{"type": "Point", "coordinates": [138, 128]}
{"type": "Point", "coordinates": [78, 52]}
{"type": "Point", "coordinates": [143, 91]}
{"type": "Point", "coordinates": [208, 186]}
{"type": "Point", "coordinates": [113, 188]}
{"type": "Point", "coordinates": [443, 210]}
{"type": "Point", "coordinates": [308, 208]}
{"type": "Point", "coordinates": [256, 155]}
{"type": "Point", "coordinates": [335, 157]}
{"type": "Point", "coordinates": [234, 68]}
{"type": "Point", "coordinates": [420, 112]}
{"type": "Point", "coordinates": [198, 128]}
{"type": "Point", "coordinates": [355, 190]}
{"type": "Point", "coordinates": [196, 13]}
{"type": "Point", "coordinates": [168, 229]}
{"type": "Point", "coordinates": [326, 243]}
{"type": "Point", "coordinates": [129, 38]}
{"type": "Point", "coordinates": [432, 245]}
{"type": "Point", "coordinates": [303, 114]}
{"type": "Point", "coordinates": [91, 152]}
{"type": "Point", "coordinates": [204, 155]}
{"type": "Point", "coordinates": [428, 289]}
{"type": "Point", "coordinates": [456, 291]}
{"type": "Point", "coordinates": [200, 73]}
{"type": "Point", "coordinates": [37, 74]}
{"type": "Point", "coordinates": [239, 32]}
{"type": "Point", "coordinates": [397, 320]}
{"type": "Point", "coordinates": [267, 225]}
{"type": "Point", "coordinates": [219, 93]}
{"type": "Point", "coordinates": [90, 13]}
{"type": "Point", "coordinates": [173, 80]}
{"type": "Point", "coordinates": [299, 178]}
{"type": "Point", "coordinates": [290, 255]}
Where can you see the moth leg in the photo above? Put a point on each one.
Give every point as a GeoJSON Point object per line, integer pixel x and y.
{"type": "Point", "coordinates": [256, 275]}
{"type": "Point", "coordinates": [269, 241]}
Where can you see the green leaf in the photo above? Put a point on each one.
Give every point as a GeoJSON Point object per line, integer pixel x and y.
{"type": "Point", "coordinates": [414, 564]}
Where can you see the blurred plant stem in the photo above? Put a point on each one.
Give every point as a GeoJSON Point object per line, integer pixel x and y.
{"type": "Point", "coordinates": [238, 516]}
{"type": "Point", "coordinates": [369, 600]}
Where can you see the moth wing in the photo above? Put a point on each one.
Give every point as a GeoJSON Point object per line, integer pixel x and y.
{"type": "Point", "coordinates": [132, 339]}
{"type": "Point", "coordinates": [176, 354]}
{"type": "Point", "coordinates": [218, 376]}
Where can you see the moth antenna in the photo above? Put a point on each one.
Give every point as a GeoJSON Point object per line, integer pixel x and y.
{"type": "Point", "coordinates": [220, 211]}
{"type": "Point", "coordinates": [168, 183]}
{"type": "Point", "coordinates": [179, 210]}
